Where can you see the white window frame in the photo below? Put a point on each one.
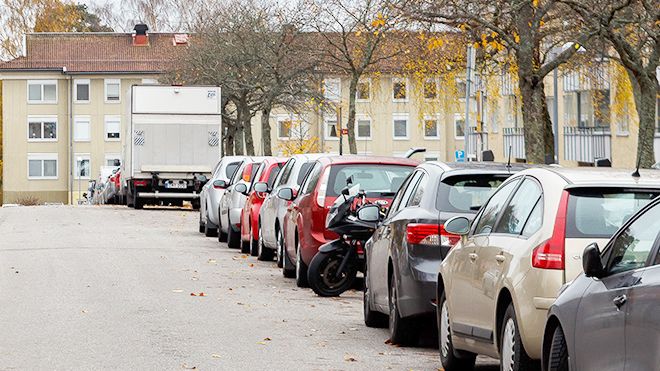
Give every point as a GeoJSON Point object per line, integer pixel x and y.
{"type": "Point", "coordinates": [112, 118]}
{"type": "Point", "coordinates": [363, 81]}
{"type": "Point", "coordinates": [107, 82]}
{"type": "Point", "coordinates": [77, 82]}
{"type": "Point", "coordinates": [41, 119]}
{"type": "Point", "coordinates": [112, 156]}
{"type": "Point", "coordinates": [43, 157]}
{"type": "Point", "coordinates": [371, 127]}
{"type": "Point", "coordinates": [430, 156]}
{"type": "Point", "coordinates": [458, 117]}
{"type": "Point", "coordinates": [437, 90]}
{"type": "Point", "coordinates": [326, 129]}
{"type": "Point", "coordinates": [400, 116]}
{"type": "Point", "coordinates": [76, 170]}
{"type": "Point", "coordinates": [405, 80]}
{"type": "Point", "coordinates": [327, 82]}
{"type": "Point", "coordinates": [42, 83]}
{"type": "Point", "coordinates": [278, 120]}
{"type": "Point", "coordinates": [76, 121]}
{"type": "Point", "coordinates": [435, 118]}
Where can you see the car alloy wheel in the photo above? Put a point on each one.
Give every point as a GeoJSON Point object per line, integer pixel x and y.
{"type": "Point", "coordinates": [508, 345]}
{"type": "Point", "coordinates": [263, 253]}
{"type": "Point", "coordinates": [301, 269]}
{"type": "Point", "coordinates": [445, 333]}
{"type": "Point", "coordinates": [280, 249]}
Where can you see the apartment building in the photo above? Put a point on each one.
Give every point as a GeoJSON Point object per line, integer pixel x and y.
{"type": "Point", "coordinates": [65, 106]}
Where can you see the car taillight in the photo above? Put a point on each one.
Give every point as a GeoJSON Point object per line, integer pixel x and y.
{"type": "Point", "coordinates": [140, 183]}
{"type": "Point", "coordinates": [448, 239]}
{"type": "Point", "coordinates": [430, 234]}
{"type": "Point", "coordinates": [323, 186]}
{"type": "Point", "coordinates": [551, 253]}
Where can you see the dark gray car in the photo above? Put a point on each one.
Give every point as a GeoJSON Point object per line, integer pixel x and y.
{"type": "Point", "coordinates": [403, 255]}
{"type": "Point", "coordinates": [609, 317]}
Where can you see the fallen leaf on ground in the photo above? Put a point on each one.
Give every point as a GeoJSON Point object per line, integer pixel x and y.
{"type": "Point", "coordinates": [83, 311]}
{"type": "Point", "coordinates": [188, 367]}
{"type": "Point", "coordinates": [214, 355]}
{"type": "Point", "coordinates": [244, 256]}
{"type": "Point", "coordinates": [388, 341]}
{"type": "Point", "coordinates": [353, 329]}
{"type": "Point", "coordinates": [177, 290]}
{"type": "Point", "coordinates": [202, 294]}
{"type": "Point", "coordinates": [267, 339]}
{"type": "Point", "coordinates": [212, 261]}
{"type": "Point", "coordinates": [251, 265]}
{"type": "Point", "coordinates": [193, 294]}
{"type": "Point", "coordinates": [349, 359]}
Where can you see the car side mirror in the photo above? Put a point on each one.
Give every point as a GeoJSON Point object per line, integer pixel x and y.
{"type": "Point", "coordinates": [220, 184]}
{"type": "Point", "coordinates": [286, 194]}
{"type": "Point", "coordinates": [241, 188]}
{"type": "Point", "coordinates": [261, 187]}
{"type": "Point", "coordinates": [369, 213]}
{"type": "Point", "coordinates": [458, 225]}
{"type": "Point", "coordinates": [591, 262]}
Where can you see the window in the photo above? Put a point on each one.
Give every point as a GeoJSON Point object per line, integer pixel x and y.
{"type": "Point", "coordinates": [285, 174]}
{"type": "Point", "coordinates": [431, 129]}
{"type": "Point", "coordinates": [459, 126]}
{"type": "Point", "coordinates": [273, 175]}
{"type": "Point", "coordinates": [331, 129]}
{"type": "Point", "coordinates": [312, 179]}
{"type": "Point", "coordinates": [42, 129]}
{"type": "Point", "coordinates": [377, 180]}
{"type": "Point", "coordinates": [112, 128]}
{"type": "Point", "coordinates": [400, 126]}
{"type": "Point", "coordinates": [42, 91]}
{"type": "Point", "coordinates": [431, 89]}
{"type": "Point", "coordinates": [399, 90]}
{"type": "Point", "coordinates": [112, 159]}
{"type": "Point", "coordinates": [81, 129]}
{"type": "Point", "coordinates": [517, 212]}
{"type": "Point", "coordinates": [231, 169]}
{"type": "Point", "coordinates": [363, 127]}
{"type": "Point", "coordinates": [81, 90]}
{"type": "Point", "coordinates": [466, 193]}
{"type": "Point", "coordinates": [332, 89]}
{"type": "Point", "coordinates": [632, 247]}
{"type": "Point", "coordinates": [302, 173]}
{"type": "Point", "coordinates": [42, 165]}
{"type": "Point", "coordinates": [83, 168]}
{"type": "Point", "coordinates": [284, 124]}
{"type": "Point", "coordinates": [461, 89]}
{"type": "Point", "coordinates": [398, 197]}
{"type": "Point", "coordinates": [363, 91]}
{"type": "Point", "coordinates": [112, 89]}
{"type": "Point", "coordinates": [416, 198]}
{"type": "Point", "coordinates": [493, 208]}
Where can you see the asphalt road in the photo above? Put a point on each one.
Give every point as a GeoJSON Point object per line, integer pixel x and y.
{"type": "Point", "coordinates": [110, 288]}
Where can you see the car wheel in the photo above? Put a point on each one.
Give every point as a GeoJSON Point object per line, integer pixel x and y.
{"type": "Point", "coordinates": [222, 236]}
{"type": "Point", "coordinates": [401, 331]}
{"type": "Point", "coordinates": [288, 268]}
{"type": "Point", "coordinates": [280, 249]}
{"type": "Point", "coordinates": [558, 357]}
{"type": "Point", "coordinates": [301, 267]}
{"type": "Point", "coordinates": [254, 244]}
{"type": "Point", "coordinates": [372, 318]}
{"type": "Point", "coordinates": [202, 227]}
{"type": "Point", "coordinates": [448, 356]}
{"type": "Point", "coordinates": [233, 237]}
{"type": "Point", "coordinates": [512, 353]}
{"type": "Point", "coordinates": [264, 254]}
{"type": "Point", "coordinates": [208, 231]}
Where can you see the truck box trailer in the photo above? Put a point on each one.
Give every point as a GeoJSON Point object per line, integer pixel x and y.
{"type": "Point", "coordinates": [173, 141]}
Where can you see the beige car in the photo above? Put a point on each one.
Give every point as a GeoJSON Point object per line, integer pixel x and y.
{"type": "Point", "coordinates": [497, 283]}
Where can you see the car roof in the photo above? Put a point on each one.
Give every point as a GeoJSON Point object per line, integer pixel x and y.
{"type": "Point", "coordinates": [356, 159]}
{"type": "Point", "coordinates": [474, 167]}
{"type": "Point", "coordinates": [309, 156]}
{"type": "Point", "coordinates": [603, 177]}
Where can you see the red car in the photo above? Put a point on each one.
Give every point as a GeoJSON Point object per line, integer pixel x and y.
{"type": "Point", "coordinates": [265, 177]}
{"type": "Point", "coordinates": [304, 222]}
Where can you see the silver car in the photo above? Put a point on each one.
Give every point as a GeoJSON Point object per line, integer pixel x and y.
{"type": "Point", "coordinates": [212, 193]}
{"type": "Point", "coordinates": [609, 317]}
{"type": "Point", "coordinates": [232, 202]}
{"type": "Point", "coordinates": [271, 215]}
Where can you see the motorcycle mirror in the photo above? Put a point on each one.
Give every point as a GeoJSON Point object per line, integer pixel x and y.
{"type": "Point", "coordinates": [369, 213]}
{"type": "Point", "coordinates": [345, 191]}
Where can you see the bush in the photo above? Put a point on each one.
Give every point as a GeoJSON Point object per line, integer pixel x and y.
{"type": "Point", "coordinates": [28, 200]}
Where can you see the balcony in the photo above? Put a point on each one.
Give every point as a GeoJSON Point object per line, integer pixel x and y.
{"type": "Point", "coordinates": [514, 141]}
{"type": "Point", "coordinates": [586, 144]}
{"type": "Point", "coordinates": [476, 142]}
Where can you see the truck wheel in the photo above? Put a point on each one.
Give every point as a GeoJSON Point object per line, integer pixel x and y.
{"type": "Point", "coordinates": [195, 204]}
{"type": "Point", "coordinates": [137, 202]}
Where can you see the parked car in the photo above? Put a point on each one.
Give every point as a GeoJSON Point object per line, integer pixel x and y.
{"type": "Point", "coordinates": [609, 317]}
{"type": "Point", "coordinates": [233, 200]}
{"type": "Point", "coordinates": [496, 285]}
{"type": "Point", "coordinates": [262, 182]}
{"type": "Point", "coordinates": [304, 222]}
{"type": "Point", "coordinates": [209, 197]}
{"type": "Point", "coordinates": [404, 253]}
{"type": "Point", "coordinates": [271, 215]}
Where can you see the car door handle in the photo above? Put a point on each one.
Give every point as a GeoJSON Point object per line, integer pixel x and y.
{"type": "Point", "coordinates": [620, 300]}
{"type": "Point", "coordinates": [500, 258]}
{"type": "Point", "coordinates": [473, 256]}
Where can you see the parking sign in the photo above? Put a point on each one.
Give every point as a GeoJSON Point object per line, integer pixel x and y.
{"type": "Point", "coordinates": [459, 155]}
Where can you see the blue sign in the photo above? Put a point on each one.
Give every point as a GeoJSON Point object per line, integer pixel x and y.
{"type": "Point", "coordinates": [459, 155]}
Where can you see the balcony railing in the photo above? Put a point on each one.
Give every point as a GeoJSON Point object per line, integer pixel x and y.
{"type": "Point", "coordinates": [514, 141]}
{"type": "Point", "coordinates": [587, 144]}
{"type": "Point", "coordinates": [474, 143]}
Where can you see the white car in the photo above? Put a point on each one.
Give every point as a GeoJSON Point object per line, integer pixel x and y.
{"type": "Point", "coordinates": [213, 191]}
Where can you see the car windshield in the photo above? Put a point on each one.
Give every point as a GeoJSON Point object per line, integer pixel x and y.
{"type": "Point", "coordinates": [599, 213]}
{"type": "Point", "coordinates": [466, 193]}
{"type": "Point", "coordinates": [375, 179]}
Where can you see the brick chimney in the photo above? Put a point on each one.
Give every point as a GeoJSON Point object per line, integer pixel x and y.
{"type": "Point", "coordinates": [140, 38]}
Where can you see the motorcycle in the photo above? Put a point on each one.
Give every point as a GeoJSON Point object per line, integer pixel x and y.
{"type": "Point", "coordinates": [334, 268]}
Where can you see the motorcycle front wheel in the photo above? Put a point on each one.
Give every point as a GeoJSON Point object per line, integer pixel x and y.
{"type": "Point", "coordinates": [323, 276]}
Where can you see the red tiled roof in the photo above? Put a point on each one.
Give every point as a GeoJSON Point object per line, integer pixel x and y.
{"type": "Point", "coordinates": [96, 52]}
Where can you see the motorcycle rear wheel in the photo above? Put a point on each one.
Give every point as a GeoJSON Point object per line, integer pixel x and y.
{"type": "Point", "coordinates": [322, 274]}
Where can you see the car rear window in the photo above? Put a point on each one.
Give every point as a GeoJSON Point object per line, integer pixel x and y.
{"type": "Point", "coordinates": [467, 193]}
{"type": "Point", "coordinates": [375, 179]}
{"type": "Point", "coordinates": [600, 212]}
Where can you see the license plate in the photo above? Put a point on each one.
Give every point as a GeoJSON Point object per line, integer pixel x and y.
{"type": "Point", "coordinates": [176, 185]}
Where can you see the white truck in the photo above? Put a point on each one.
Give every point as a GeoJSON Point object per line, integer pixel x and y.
{"type": "Point", "coordinates": [173, 141]}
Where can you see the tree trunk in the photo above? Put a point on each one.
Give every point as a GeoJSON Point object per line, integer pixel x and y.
{"type": "Point", "coordinates": [350, 124]}
{"type": "Point", "coordinates": [238, 136]}
{"type": "Point", "coordinates": [247, 131]}
{"type": "Point", "coordinates": [539, 140]}
{"type": "Point", "coordinates": [265, 131]}
{"type": "Point", "coordinates": [228, 137]}
{"type": "Point", "coordinates": [645, 104]}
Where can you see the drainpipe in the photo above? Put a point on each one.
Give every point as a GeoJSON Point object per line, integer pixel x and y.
{"type": "Point", "coordinates": [70, 149]}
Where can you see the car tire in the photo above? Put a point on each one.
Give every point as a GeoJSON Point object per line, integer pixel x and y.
{"type": "Point", "coordinates": [222, 236]}
{"type": "Point", "coordinates": [513, 356]}
{"type": "Point", "coordinates": [254, 246]}
{"type": "Point", "coordinates": [288, 268]}
{"type": "Point", "coordinates": [401, 330]}
{"type": "Point", "coordinates": [233, 238]}
{"type": "Point", "coordinates": [279, 253]}
{"type": "Point", "coordinates": [301, 267]}
{"type": "Point", "coordinates": [372, 318]}
{"type": "Point", "coordinates": [558, 357]}
{"type": "Point", "coordinates": [263, 253]}
{"type": "Point", "coordinates": [208, 231]}
{"type": "Point", "coordinates": [451, 359]}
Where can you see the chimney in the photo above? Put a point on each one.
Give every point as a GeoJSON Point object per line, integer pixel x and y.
{"type": "Point", "coordinates": [140, 38]}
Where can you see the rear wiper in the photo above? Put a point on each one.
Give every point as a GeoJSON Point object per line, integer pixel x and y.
{"type": "Point", "coordinates": [475, 208]}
